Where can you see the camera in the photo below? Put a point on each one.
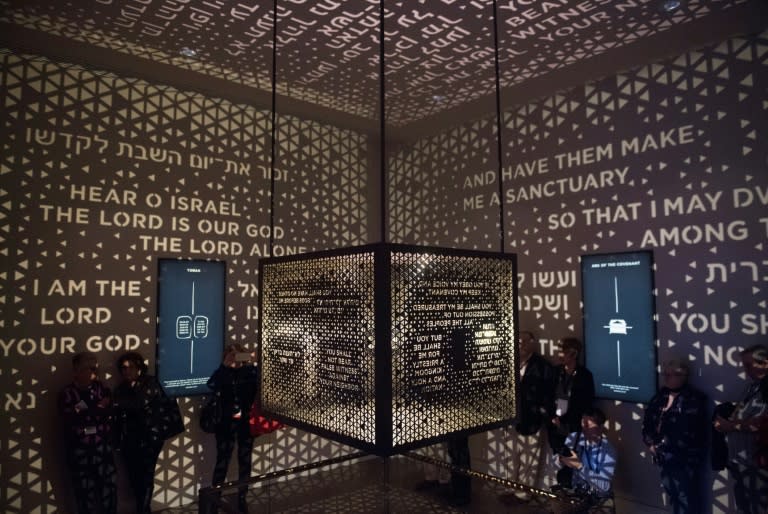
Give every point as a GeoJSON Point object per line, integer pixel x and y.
{"type": "Point", "coordinates": [564, 451]}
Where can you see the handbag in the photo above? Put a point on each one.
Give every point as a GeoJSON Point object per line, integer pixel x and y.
{"type": "Point", "coordinates": [169, 420]}
{"type": "Point", "coordinates": [161, 417]}
{"type": "Point", "coordinates": [260, 424]}
{"type": "Point", "coordinates": [210, 414]}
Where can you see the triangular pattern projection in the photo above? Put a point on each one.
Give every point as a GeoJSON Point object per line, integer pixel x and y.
{"type": "Point", "coordinates": [99, 176]}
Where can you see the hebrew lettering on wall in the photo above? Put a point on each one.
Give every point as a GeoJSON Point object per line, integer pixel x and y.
{"type": "Point", "coordinates": [101, 176]}
{"type": "Point", "coordinates": [666, 157]}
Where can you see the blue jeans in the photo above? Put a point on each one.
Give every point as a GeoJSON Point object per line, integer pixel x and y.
{"type": "Point", "coordinates": [682, 482]}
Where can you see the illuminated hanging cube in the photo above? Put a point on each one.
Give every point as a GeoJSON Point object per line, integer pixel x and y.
{"type": "Point", "coordinates": [389, 347]}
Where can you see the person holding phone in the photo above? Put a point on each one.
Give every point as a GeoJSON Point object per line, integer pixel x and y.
{"type": "Point", "coordinates": [592, 460]}
{"type": "Point", "coordinates": [236, 382]}
{"type": "Point", "coordinates": [85, 406]}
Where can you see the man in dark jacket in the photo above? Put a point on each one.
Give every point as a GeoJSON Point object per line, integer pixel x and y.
{"type": "Point", "coordinates": [236, 382]}
{"type": "Point", "coordinates": [85, 407]}
{"type": "Point", "coordinates": [675, 432]}
{"type": "Point", "coordinates": [537, 407]}
{"type": "Point", "coordinates": [744, 430]}
{"type": "Point", "coordinates": [574, 393]}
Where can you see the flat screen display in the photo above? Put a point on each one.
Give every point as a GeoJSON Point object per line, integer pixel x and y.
{"type": "Point", "coordinates": [619, 327]}
{"type": "Point", "coordinates": [190, 327]}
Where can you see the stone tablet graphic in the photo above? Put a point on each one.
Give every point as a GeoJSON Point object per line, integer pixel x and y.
{"type": "Point", "coordinates": [201, 327]}
{"type": "Point", "coordinates": [191, 328]}
{"type": "Point", "coordinates": [184, 327]}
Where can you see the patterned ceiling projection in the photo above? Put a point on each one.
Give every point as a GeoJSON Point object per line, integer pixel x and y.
{"type": "Point", "coordinates": [665, 157]}
{"type": "Point", "coordinates": [101, 175]}
{"type": "Point", "coordinates": [439, 55]}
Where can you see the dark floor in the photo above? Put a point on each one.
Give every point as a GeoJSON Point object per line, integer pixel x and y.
{"type": "Point", "coordinates": [375, 486]}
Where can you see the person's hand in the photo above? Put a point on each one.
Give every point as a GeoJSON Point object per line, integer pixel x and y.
{"type": "Point", "coordinates": [572, 461]}
{"type": "Point", "coordinates": [229, 360]}
{"type": "Point", "coordinates": [723, 425]}
{"type": "Point", "coordinates": [104, 403]}
{"type": "Point", "coordinates": [556, 421]}
{"type": "Point", "coordinates": [652, 449]}
{"type": "Point", "coordinates": [753, 424]}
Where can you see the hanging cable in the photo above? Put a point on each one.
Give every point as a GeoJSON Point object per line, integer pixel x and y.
{"type": "Point", "coordinates": [499, 124]}
{"type": "Point", "coordinates": [273, 150]}
{"type": "Point", "coordinates": [506, 432]}
{"type": "Point", "coordinates": [273, 158]}
{"type": "Point", "coordinates": [382, 134]}
{"type": "Point", "coordinates": [383, 184]}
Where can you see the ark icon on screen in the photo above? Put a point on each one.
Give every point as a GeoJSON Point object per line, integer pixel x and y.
{"type": "Point", "coordinates": [617, 326]}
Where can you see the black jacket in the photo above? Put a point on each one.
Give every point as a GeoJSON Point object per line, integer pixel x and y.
{"type": "Point", "coordinates": [680, 434]}
{"type": "Point", "coordinates": [237, 388]}
{"type": "Point", "coordinates": [87, 427]}
{"type": "Point", "coordinates": [581, 397]}
{"type": "Point", "coordinates": [146, 415]}
{"type": "Point", "coordinates": [537, 396]}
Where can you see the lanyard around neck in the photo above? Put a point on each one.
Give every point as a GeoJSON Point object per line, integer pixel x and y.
{"type": "Point", "coordinates": [599, 460]}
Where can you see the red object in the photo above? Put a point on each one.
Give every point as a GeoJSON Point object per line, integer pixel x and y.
{"type": "Point", "coordinates": [259, 424]}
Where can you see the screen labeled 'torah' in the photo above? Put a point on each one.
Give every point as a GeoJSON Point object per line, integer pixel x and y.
{"type": "Point", "coordinates": [389, 347]}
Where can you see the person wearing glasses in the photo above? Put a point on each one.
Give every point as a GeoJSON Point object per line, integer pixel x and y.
{"type": "Point", "coordinates": [85, 406]}
{"type": "Point", "coordinates": [587, 463]}
{"type": "Point", "coordinates": [574, 392]}
{"type": "Point", "coordinates": [675, 429]}
{"type": "Point", "coordinates": [146, 418]}
{"type": "Point", "coordinates": [746, 431]}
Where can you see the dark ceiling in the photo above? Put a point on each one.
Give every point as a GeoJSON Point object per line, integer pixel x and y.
{"type": "Point", "coordinates": [439, 54]}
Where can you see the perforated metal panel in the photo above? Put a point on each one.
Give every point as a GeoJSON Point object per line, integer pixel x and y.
{"type": "Point", "coordinates": [318, 341]}
{"type": "Point", "coordinates": [453, 343]}
{"type": "Point", "coordinates": [389, 347]}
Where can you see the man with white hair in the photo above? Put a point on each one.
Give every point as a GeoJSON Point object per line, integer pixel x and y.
{"type": "Point", "coordinates": [742, 429]}
{"type": "Point", "coordinates": [537, 407]}
{"type": "Point", "coordinates": [675, 432]}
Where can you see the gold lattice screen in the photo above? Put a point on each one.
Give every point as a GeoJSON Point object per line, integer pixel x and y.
{"type": "Point", "coordinates": [389, 347]}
